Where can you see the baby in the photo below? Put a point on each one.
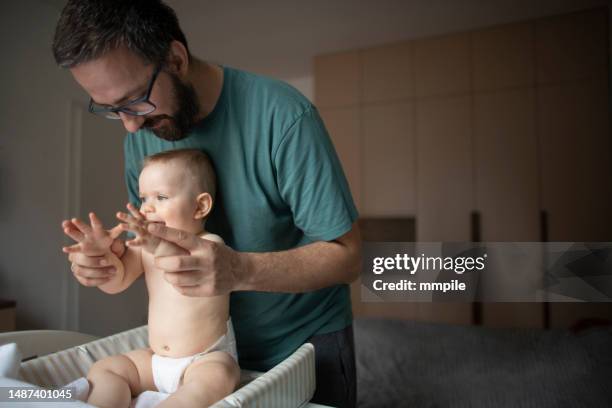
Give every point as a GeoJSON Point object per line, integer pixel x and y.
{"type": "Point", "coordinates": [192, 353]}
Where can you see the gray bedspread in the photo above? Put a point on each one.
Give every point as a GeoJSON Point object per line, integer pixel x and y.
{"type": "Point", "coordinates": [415, 364]}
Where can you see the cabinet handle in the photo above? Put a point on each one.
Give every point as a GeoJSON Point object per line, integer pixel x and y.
{"type": "Point", "coordinates": [544, 238]}
{"type": "Point", "coordinates": [543, 225]}
{"type": "Point", "coordinates": [475, 226]}
{"type": "Point", "coordinates": [476, 237]}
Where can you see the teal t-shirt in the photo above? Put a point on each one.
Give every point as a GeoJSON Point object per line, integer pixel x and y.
{"type": "Point", "coordinates": [280, 185]}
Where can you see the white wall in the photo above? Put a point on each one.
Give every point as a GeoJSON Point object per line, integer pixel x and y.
{"type": "Point", "coordinates": [33, 129]}
{"type": "Point", "coordinates": [54, 163]}
{"type": "Point", "coordinates": [272, 37]}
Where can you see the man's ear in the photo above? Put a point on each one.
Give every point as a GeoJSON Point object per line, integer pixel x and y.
{"type": "Point", "coordinates": [178, 59]}
{"type": "Point", "coordinates": [204, 206]}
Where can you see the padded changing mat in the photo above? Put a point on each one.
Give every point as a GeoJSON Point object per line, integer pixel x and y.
{"type": "Point", "coordinates": [290, 384]}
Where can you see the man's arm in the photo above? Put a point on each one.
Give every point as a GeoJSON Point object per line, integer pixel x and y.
{"type": "Point", "coordinates": [213, 269]}
{"type": "Point", "coordinates": [303, 269]}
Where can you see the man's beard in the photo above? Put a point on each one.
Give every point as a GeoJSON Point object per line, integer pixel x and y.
{"type": "Point", "coordinates": [179, 124]}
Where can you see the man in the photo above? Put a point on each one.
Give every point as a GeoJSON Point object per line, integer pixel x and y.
{"type": "Point", "coordinates": [283, 207]}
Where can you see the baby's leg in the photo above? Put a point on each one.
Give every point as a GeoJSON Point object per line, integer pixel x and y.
{"type": "Point", "coordinates": [114, 380]}
{"type": "Point", "coordinates": [206, 381]}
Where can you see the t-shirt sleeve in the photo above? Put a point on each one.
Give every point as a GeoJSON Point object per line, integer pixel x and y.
{"type": "Point", "coordinates": [311, 181]}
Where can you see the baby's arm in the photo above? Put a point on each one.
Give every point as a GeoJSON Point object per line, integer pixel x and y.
{"type": "Point", "coordinates": [128, 268]}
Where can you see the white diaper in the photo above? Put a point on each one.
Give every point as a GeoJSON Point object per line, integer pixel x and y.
{"type": "Point", "coordinates": [168, 372]}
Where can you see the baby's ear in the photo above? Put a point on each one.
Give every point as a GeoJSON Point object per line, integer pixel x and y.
{"type": "Point", "coordinates": [205, 202]}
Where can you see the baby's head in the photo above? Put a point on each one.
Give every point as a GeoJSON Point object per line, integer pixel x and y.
{"type": "Point", "coordinates": [177, 187]}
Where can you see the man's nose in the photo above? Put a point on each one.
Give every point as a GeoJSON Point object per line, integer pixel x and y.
{"type": "Point", "coordinates": [130, 122]}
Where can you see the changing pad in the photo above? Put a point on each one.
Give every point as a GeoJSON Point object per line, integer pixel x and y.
{"type": "Point", "coordinates": [289, 384]}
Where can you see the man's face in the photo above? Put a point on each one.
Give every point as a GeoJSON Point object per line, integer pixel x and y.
{"type": "Point", "coordinates": [121, 76]}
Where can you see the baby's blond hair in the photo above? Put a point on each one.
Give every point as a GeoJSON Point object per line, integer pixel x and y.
{"type": "Point", "coordinates": [196, 161]}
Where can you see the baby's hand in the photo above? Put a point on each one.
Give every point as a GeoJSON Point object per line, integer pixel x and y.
{"type": "Point", "coordinates": [91, 240]}
{"type": "Point", "coordinates": [135, 222]}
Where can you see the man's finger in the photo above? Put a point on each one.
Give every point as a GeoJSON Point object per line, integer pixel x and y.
{"type": "Point", "coordinates": [90, 273]}
{"type": "Point", "coordinates": [72, 249]}
{"type": "Point", "coordinates": [135, 228]}
{"type": "Point", "coordinates": [91, 282]}
{"type": "Point", "coordinates": [184, 278]}
{"type": "Point", "coordinates": [181, 238]}
{"type": "Point", "coordinates": [98, 262]}
{"type": "Point", "coordinates": [177, 263]}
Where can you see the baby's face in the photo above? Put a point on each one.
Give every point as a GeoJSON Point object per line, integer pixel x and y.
{"type": "Point", "coordinates": [168, 193]}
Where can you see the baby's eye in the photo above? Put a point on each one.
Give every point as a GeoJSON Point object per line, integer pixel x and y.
{"type": "Point", "coordinates": [143, 199]}
{"type": "Point", "coordinates": [161, 197]}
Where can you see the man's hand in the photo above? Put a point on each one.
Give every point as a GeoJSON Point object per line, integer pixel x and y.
{"type": "Point", "coordinates": [210, 269]}
{"type": "Point", "coordinates": [91, 265]}
{"type": "Point", "coordinates": [213, 269]}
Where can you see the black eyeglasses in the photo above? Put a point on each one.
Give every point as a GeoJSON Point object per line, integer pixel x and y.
{"type": "Point", "coordinates": [137, 107]}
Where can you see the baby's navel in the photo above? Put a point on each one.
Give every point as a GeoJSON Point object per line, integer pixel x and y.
{"type": "Point", "coordinates": [165, 347]}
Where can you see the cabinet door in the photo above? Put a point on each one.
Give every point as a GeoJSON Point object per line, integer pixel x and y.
{"type": "Point", "coordinates": [388, 73]}
{"type": "Point", "coordinates": [344, 128]}
{"type": "Point", "coordinates": [507, 191]}
{"type": "Point", "coordinates": [576, 173]}
{"type": "Point", "coordinates": [444, 185]}
{"type": "Point", "coordinates": [389, 163]}
{"type": "Point", "coordinates": [442, 65]}
{"type": "Point", "coordinates": [503, 57]}
{"type": "Point", "coordinates": [445, 196]}
{"type": "Point", "coordinates": [576, 160]}
{"type": "Point", "coordinates": [574, 120]}
{"type": "Point", "coordinates": [338, 79]}
{"type": "Point", "coordinates": [572, 47]}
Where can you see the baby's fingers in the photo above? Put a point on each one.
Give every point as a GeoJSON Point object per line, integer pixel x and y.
{"type": "Point", "coordinates": [81, 226]}
{"type": "Point", "coordinates": [95, 222]}
{"type": "Point", "coordinates": [134, 211]}
{"type": "Point", "coordinates": [135, 228]}
{"type": "Point", "coordinates": [73, 232]}
{"type": "Point", "coordinates": [116, 231]}
{"type": "Point", "coordinates": [129, 219]}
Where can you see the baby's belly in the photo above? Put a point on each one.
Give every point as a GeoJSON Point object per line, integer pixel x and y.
{"type": "Point", "coordinates": [181, 326]}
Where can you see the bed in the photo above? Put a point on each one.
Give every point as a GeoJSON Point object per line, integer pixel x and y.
{"type": "Point", "coordinates": [418, 365]}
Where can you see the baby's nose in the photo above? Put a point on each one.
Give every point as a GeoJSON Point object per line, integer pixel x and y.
{"type": "Point", "coordinates": [146, 208]}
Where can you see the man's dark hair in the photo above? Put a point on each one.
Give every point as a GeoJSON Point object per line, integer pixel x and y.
{"type": "Point", "coordinates": [87, 29]}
